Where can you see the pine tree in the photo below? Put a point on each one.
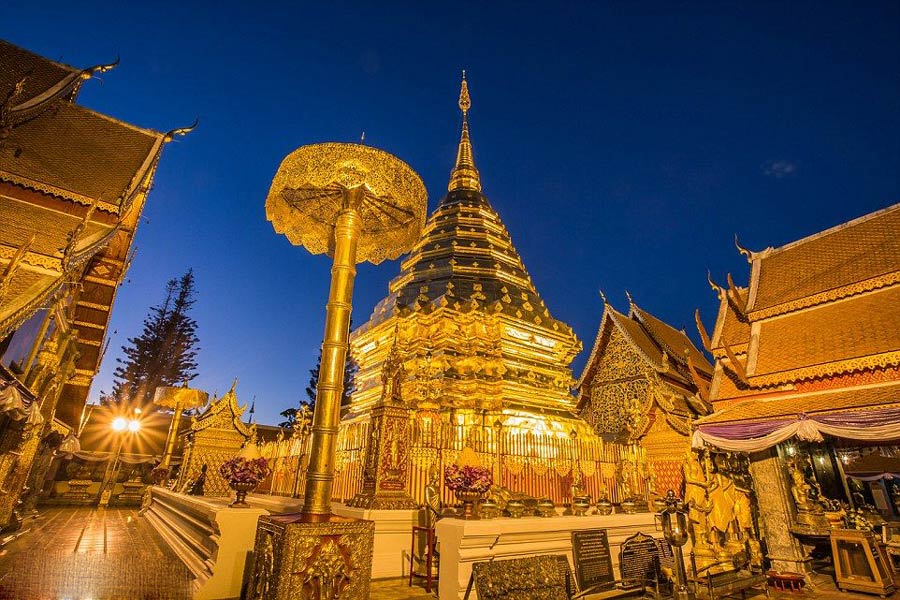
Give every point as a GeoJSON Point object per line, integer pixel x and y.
{"type": "Point", "coordinates": [166, 351]}
{"type": "Point", "coordinates": [350, 369]}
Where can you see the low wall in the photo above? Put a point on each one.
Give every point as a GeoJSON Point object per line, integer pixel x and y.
{"type": "Point", "coordinates": [463, 543]}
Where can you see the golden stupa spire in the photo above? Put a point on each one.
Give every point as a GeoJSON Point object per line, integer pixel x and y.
{"type": "Point", "coordinates": [464, 175]}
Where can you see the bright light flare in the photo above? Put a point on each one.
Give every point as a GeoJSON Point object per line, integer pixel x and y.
{"type": "Point", "coordinates": [119, 424]}
{"type": "Point", "coordinates": [134, 426]}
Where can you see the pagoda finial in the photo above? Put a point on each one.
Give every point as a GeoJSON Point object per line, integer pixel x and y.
{"type": "Point", "coordinates": [464, 175]}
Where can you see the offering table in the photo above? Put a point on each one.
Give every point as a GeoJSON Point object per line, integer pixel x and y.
{"type": "Point", "coordinates": [462, 543]}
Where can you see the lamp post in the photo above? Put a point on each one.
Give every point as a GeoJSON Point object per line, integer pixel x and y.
{"type": "Point", "coordinates": [121, 427]}
{"type": "Point", "coordinates": [675, 530]}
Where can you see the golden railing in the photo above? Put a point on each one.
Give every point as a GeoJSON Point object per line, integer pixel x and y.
{"type": "Point", "coordinates": [534, 463]}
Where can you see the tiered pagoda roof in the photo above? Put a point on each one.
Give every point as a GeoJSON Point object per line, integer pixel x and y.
{"type": "Point", "coordinates": [465, 269]}
{"type": "Point", "coordinates": [816, 329]}
{"type": "Point", "coordinates": [663, 350]}
{"type": "Point", "coordinates": [72, 187]}
{"type": "Point", "coordinates": [466, 255]}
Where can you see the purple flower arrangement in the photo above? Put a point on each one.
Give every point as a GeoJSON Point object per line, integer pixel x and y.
{"type": "Point", "coordinates": [468, 479]}
{"type": "Point", "coordinates": [243, 470]}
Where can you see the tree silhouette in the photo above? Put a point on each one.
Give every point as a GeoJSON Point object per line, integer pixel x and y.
{"type": "Point", "coordinates": [166, 351]}
{"type": "Point", "coordinates": [350, 369]}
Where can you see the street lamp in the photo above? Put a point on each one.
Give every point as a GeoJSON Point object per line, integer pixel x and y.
{"type": "Point", "coordinates": [121, 426]}
{"type": "Point", "coordinates": [675, 530]}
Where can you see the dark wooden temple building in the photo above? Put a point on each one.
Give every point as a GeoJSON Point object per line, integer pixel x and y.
{"type": "Point", "coordinates": [73, 183]}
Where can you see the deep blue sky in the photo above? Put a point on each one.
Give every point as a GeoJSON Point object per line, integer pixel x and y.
{"type": "Point", "coordinates": [623, 143]}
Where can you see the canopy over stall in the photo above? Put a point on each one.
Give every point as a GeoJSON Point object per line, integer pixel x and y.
{"type": "Point", "coordinates": [861, 413]}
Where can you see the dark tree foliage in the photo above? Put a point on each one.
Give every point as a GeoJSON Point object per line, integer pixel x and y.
{"type": "Point", "coordinates": [166, 351]}
{"type": "Point", "coordinates": [350, 369]}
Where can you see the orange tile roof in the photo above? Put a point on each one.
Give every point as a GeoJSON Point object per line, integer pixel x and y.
{"type": "Point", "coordinates": [730, 329]}
{"type": "Point", "coordinates": [675, 342]}
{"type": "Point", "coordinates": [41, 74]}
{"type": "Point", "coordinates": [827, 339]}
{"type": "Point", "coordinates": [823, 264]}
{"type": "Point", "coordinates": [763, 409]}
{"type": "Point", "coordinates": [77, 154]}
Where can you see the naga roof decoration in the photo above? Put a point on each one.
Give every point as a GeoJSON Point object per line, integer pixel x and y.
{"type": "Point", "coordinates": [821, 306]}
{"type": "Point", "coordinates": [72, 186]}
{"type": "Point", "coordinates": [816, 330]}
{"type": "Point", "coordinates": [640, 366]}
{"type": "Point", "coordinates": [663, 346]}
{"type": "Point", "coordinates": [79, 155]}
{"type": "Point", "coordinates": [29, 83]}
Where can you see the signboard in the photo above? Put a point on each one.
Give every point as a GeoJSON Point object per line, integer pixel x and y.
{"type": "Point", "coordinates": [666, 555]}
{"type": "Point", "coordinates": [639, 559]}
{"type": "Point", "coordinates": [593, 562]}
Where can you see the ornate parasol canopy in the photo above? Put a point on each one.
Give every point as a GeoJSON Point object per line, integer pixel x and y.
{"type": "Point", "coordinates": [188, 398]}
{"type": "Point", "coordinates": [315, 183]}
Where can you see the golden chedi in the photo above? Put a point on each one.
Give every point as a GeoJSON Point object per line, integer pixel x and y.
{"type": "Point", "coordinates": [463, 339]}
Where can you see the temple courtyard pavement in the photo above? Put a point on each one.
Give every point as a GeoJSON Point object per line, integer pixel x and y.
{"type": "Point", "coordinates": [100, 554]}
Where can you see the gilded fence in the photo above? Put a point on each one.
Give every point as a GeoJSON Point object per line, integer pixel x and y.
{"type": "Point", "coordinates": [534, 462]}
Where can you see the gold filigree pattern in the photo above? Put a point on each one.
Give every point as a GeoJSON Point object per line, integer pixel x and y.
{"type": "Point", "coordinates": [309, 191]}
{"type": "Point", "coordinates": [296, 560]}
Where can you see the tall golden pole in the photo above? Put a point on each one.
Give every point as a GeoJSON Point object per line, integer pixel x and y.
{"type": "Point", "coordinates": [326, 418]}
{"type": "Point", "coordinates": [355, 203]}
{"type": "Point", "coordinates": [179, 399]}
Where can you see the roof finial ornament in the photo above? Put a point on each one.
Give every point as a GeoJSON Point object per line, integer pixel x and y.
{"type": "Point", "coordinates": [630, 299]}
{"type": "Point", "coordinates": [170, 135]}
{"type": "Point", "coordinates": [603, 297]}
{"type": "Point", "coordinates": [464, 175]}
{"type": "Point", "coordinates": [465, 102]}
{"type": "Point", "coordinates": [748, 254]}
{"type": "Point", "coordinates": [720, 292]}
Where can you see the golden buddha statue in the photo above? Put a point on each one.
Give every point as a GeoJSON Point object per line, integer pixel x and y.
{"type": "Point", "coordinates": [696, 500]}
{"type": "Point", "coordinates": [433, 503]}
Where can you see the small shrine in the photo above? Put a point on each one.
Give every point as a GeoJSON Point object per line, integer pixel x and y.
{"type": "Point", "coordinates": [643, 384]}
{"type": "Point", "coordinates": [214, 436]}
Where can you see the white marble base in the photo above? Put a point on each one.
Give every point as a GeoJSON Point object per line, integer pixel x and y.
{"type": "Point", "coordinates": [465, 542]}
{"type": "Point", "coordinates": [210, 538]}
{"type": "Point", "coordinates": [393, 534]}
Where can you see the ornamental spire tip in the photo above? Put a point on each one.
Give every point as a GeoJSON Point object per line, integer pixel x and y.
{"type": "Point", "coordinates": [465, 175]}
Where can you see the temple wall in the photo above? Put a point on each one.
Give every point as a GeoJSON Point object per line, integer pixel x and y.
{"type": "Point", "coordinates": [665, 449]}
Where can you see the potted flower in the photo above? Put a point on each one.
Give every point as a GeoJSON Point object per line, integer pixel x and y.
{"type": "Point", "coordinates": [469, 484]}
{"type": "Point", "coordinates": [243, 475]}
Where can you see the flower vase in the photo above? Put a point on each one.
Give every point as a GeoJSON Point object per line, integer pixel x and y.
{"type": "Point", "coordinates": [469, 501]}
{"type": "Point", "coordinates": [241, 488]}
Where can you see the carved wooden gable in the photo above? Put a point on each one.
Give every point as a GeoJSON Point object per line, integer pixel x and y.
{"type": "Point", "coordinates": [621, 390]}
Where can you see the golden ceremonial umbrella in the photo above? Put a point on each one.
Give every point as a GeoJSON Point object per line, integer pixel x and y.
{"type": "Point", "coordinates": [178, 399]}
{"type": "Point", "coordinates": [355, 203]}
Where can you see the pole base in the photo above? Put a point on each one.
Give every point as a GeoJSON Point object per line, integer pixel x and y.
{"type": "Point", "coordinates": [311, 556]}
